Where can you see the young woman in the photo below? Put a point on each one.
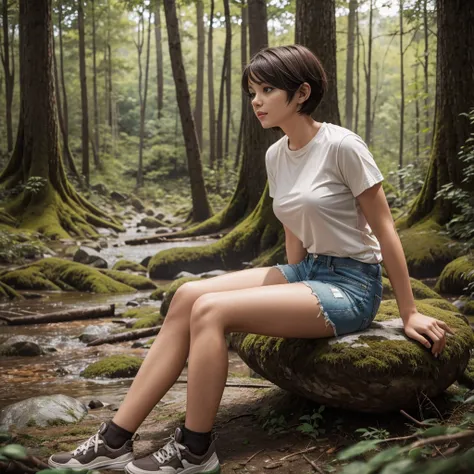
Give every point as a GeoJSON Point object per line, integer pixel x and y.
{"type": "Point", "coordinates": [328, 195]}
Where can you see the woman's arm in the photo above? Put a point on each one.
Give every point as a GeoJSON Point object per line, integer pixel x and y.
{"type": "Point", "coordinates": [377, 212]}
{"type": "Point", "coordinates": [295, 252]}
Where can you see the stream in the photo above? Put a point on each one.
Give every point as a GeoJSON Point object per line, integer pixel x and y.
{"type": "Point", "coordinates": [59, 372]}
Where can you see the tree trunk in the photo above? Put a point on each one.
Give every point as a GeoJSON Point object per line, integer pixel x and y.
{"type": "Point", "coordinates": [9, 75]}
{"type": "Point", "coordinates": [368, 75]}
{"type": "Point", "coordinates": [55, 209]}
{"type": "Point", "coordinates": [94, 78]}
{"type": "Point", "coordinates": [402, 96]}
{"type": "Point", "coordinates": [243, 60]}
{"type": "Point", "coordinates": [210, 85]}
{"type": "Point", "coordinates": [126, 336]}
{"type": "Point", "coordinates": [84, 104]}
{"type": "Point", "coordinates": [356, 128]}
{"type": "Point", "coordinates": [201, 208]}
{"type": "Point", "coordinates": [316, 28]}
{"type": "Point", "coordinates": [350, 64]}
{"type": "Point", "coordinates": [228, 49]}
{"type": "Point", "coordinates": [454, 96]}
{"type": "Point", "coordinates": [63, 82]}
{"type": "Point", "coordinates": [159, 58]}
{"type": "Point", "coordinates": [426, 76]}
{"type": "Point", "coordinates": [200, 71]}
{"type": "Point", "coordinates": [417, 116]}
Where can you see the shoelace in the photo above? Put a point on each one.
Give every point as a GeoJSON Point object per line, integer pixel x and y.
{"type": "Point", "coordinates": [169, 450]}
{"type": "Point", "coordinates": [92, 441]}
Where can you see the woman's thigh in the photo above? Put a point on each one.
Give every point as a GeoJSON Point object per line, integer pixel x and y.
{"type": "Point", "coordinates": [287, 310]}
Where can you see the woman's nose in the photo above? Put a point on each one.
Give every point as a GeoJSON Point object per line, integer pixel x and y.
{"type": "Point", "coordinates": [256, 100]}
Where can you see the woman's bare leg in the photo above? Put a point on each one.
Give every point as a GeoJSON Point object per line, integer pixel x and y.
{"type": "Point", "coordinates": [289, 310]}
{"type": "Point", "coordinates": [167, 356]}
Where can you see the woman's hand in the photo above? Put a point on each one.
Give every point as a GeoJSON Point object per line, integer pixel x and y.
{"type": "Point", "coordinates": [418, 326]}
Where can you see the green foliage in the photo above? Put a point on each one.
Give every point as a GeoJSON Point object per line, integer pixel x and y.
{"type": "Point", "coordinates": [16, 247]}
{"type": "Point", "coordinates": [461, 225]}
{"type": "Point", "coordinates": [275, 423]}
{"type": "Point", "coordinates": [35, 184]}
{"type": "Point", "coordinates": [373, 433]}
{"type": "Point", "coordinates": [311, 425]}
{"type": "Point", "coordinates": [413, 179]}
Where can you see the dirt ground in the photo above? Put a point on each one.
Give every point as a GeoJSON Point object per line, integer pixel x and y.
{"type": "Point", "coordinates": [244, 446]}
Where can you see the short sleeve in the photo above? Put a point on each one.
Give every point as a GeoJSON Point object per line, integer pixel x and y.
{"type": "Point", "coordinates": [270, 174]}
{"type": "Point", "coordinates": [357, 165]}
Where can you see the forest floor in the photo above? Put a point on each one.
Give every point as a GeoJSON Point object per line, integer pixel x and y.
{"type": "Point", "coordinates": [256, 430]}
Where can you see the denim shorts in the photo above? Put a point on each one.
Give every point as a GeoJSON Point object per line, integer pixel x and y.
{"type": "Point", "coordinates": [349, 292]}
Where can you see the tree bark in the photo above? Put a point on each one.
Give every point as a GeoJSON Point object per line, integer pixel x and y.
{"type": "Point", "coordinates": [126, 336]}
{"type": "Point", "coordinates": [228, 88]}
{"type": "Point", "coordinates": [356, 128]}
{"type": "Point", "coordinates": [368, 75]}
{"type": "Point", "coordinates": [200, 71]}
{"type": "Point", "coordinates": [350, 64]}
{"type": "Point", "coordinates": [210, 85]}
{"type": "Point", "coordinates": [9, 75]}
{"type": "Point", "coordinates": [316, 28]}
{"type": "Point", "coordinates": [56, 209]}
{"type": "Point", "coordinates": [63, 82]}
{"type": "Point", "coordinates": [201, 208]}
{"type": "Point", "coordinates": [454, 96]}
{"type": "Point", "coordinates": [84, 104]}
{"type": "Point", "coordinates": [426, 76]}
{"type": "Point", "coordinates": [159, 58]}
{"type": "Point", "coordinates": [402, 96]}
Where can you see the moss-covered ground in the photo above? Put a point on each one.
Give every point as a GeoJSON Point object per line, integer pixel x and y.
{"type": "Point", "coordinates": [116, 366]}
{"type": "Point", "coordinates": [147, 316]}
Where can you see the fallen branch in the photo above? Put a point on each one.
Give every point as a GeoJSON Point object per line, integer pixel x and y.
{"type": "Point", "coordinates": [60, 316]}
{"type": "Point", "coordinates": [251, 457]}
{"type": "Point", "coordinates": [414, 420]}
{"type": "Point", "coordinates": [126, 336]}
{"type": "Point", "coordinates": [237, 385]}
{"type": "Point", "coordinates": [442, 439]}
{"type": "Point", "coordinates": [313, 465]}
{"type": "Point", "coordinates": [284, 458]}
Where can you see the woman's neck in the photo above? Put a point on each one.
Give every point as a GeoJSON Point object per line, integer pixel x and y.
{"type": "Point", "coordinates": [301, 131]}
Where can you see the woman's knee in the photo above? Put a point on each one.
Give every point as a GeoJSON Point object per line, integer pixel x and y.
{"type": "Point", "coordinates": [206, 312]}
{"type": "Point", "coordinates": [183, 300]}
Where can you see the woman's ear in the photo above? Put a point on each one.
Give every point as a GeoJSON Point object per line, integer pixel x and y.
{"type": "Point", "coordinates": [304, 92]}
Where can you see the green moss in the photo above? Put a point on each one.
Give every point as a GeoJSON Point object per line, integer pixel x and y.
{"type": "Point", "coordinates": [152, 223]}
{"type": "Point", "coordinates": [6, 292]}
{"type": "Point", "coordinates": [375, 354]}
{"type": "Point", "coordinates": [148, 316]}
{"type": "Point", "coordinates": [56, 274]}
{"type": "Point", "coordinates": [467, 378]}
{"type": "Point", "coordinates": [420, 290]}
{"type": "Point", "coordinates": [456, 275]}
{"type": "Point", "coordinates": [113, 367]}
{"type": "Point", "coordinates": [468, 309]}
{"type": "Point", "coordinates": [428, 249]}
{"type": "Point", "coordinates": [171, 290]}
{"type": "Point", "coordinates": [123, 265]}
{"type": "Point", "coordinates": [135, 281]}
{"type": "Point", "coordinates": [160, 291]}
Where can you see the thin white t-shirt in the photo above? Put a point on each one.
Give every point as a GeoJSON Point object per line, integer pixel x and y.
{"type": "Point", "coordinates": [315, 189]}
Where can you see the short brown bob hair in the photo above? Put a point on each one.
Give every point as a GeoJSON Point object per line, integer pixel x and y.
{"type": "Point", "coordinates": [287, 67]}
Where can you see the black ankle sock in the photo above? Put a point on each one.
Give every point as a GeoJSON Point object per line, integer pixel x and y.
{"type": "Point", "coordinates": [115, 436]}
{"type": "Point", "coordinates": [198, 443]}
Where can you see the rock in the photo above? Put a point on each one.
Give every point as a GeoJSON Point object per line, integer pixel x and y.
{"type": "Point", "coordinates": [133, 303]}
{"type": "Point", "coordinates": [143, 317]}
{"type": "Point", "coordinates": [145, 261]}
{"type": "Point", "coordinates": [160, 216]}
{"type": "Point", "coordinates": [163, 230]}
{"type": "Point", "coordinates": [467, 377]}
{"type": "Point", "coordinates": [456, 276]}
{"type": "Point", "coordinates": [100, 188]}
{"type": "Point", "coordinates": [123, 265]}
{"type": "Point", "coordinates": [70, 251]}
{"type": "Point", "coordinates": [42, 411]}
{"type": "Point", "coordinates": [23, 346]}
{"type": "Point", "coordinates": [376, 370]}
{"type": "Point", "coordinates": [185, 275]}
{"type": "Point", "coordinates": [99, 263]}
{"type": "Point", "coordinates": [212, 273]}
{"type": "Point", "coordinates": [137, 204]}
{"type": "Point", "coordinates": [103, 244]}
{"type": "Point", "coordinates": [150, 223]}
{"type": "Point", "coordinates": [62, 371]}
{"type": "Point", "coordinates": [32, 296]}
{"type": "Point", "coordinates": [149, 212]}
{"type": "Point", "coordinates": [94, 332]}
{"type": "Point", "coordinates": [119, 197]}
{"type": "Point", "coordinates": [138, 344]}
{"type": "Point", "coordinates": [115, 366]}
{"type": "Point", "coordinates": [89, 256]}
{"type": "Point", "coordinates": [93, 404]}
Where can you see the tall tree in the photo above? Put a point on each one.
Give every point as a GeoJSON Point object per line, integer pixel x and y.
{"type": "Point", "coordinates": [368, 76]}
{"type": "Point", "coordinates": [94, 85]}
{"type": "Point", "coordinates": [84, 104]}
{"type": "Point", "coordinates": [142, 84]}
{"type": "Point", "coordinates": [210, 85]}
{"type": "Point", "coordinates": [402, 95]}
{"type": "Point", "coordinates": [425, 71]}
{"type": "Point", "coordinates": [201, 208]}
{"type": "Point", "coordinates": [9, 71]}
{"type": "Point", "coordinates": [159, 58]}
{"type": "Point", "coordinates": [351, 19]}
{"type": "Point", "coordinates": [356, 127]}
{"type": "Point", "coordinates": [198, 110]}
{"type": "Point", "coordinates": [316, 28]}
{"type": "Point", "coordinates": [454, 96]}
{"type": "Point", "coordinates": [55, 209]}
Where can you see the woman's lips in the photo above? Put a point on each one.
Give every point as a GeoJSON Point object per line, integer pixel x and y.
{"type": "Point", "coordinates": [260, 115]}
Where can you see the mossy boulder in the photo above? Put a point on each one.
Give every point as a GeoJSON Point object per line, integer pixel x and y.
{"type": "Point", "coordinates": [151, 223]}
{"type": "Point", "coordinates": [428, 249]}
{"type": "Point", "coordinates": [135, 281]}
{"type": "Point", "coordinates": [376, 370]}
{"type": "Point", "coordinates": [146, 316]}
{"type": "Point", "coordinates": [116, 366]}
{"type": "Point", "coordinates": [137, 204]}
{"type": "Point", "coordinates": [420, 290]}
{"type": "Point", "coordinates": [20, 346]}
{"type": "Point", "coordinates": [467, 377]}
{"type": "Point", "coordinates": [57, 274]}
{"type": "Point", "coordinates": [124, 265]}
{"type": "Point", "coordinates": [456, 276]}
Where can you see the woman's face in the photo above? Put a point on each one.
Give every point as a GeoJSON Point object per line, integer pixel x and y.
{"type": "Point", "coordinates": [270, 104]}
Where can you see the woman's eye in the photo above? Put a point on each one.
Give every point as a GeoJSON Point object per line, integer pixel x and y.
{"type": "Point", "coordinates": [267, 89]}
{"type": "Point", "coordinates": [251, 95]}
